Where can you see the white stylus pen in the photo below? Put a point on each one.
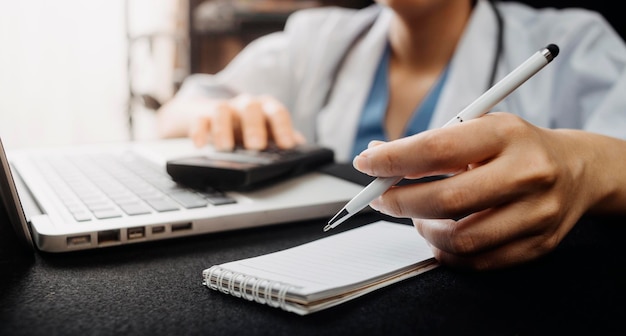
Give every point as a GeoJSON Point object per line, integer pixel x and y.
{"type": "Point", "coordinates": [476, 109]}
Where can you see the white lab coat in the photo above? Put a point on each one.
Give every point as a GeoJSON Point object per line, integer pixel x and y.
{"type": "Point", "coordinates": [583, 88]}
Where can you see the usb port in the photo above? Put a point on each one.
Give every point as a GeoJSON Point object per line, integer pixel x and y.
{"type": "Point", "coordinates": [158, 229]}
{"type": "Point", "coordinates": [78, 240]}
{"type": "Point", "coordinates": [109, 236]}
{"type": "Point", "coordinates": [135, 233]}
{"type": "Point", "coordinates": [181, 226]}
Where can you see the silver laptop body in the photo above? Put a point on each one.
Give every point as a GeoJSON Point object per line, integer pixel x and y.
{"type": "Point", "coordinates": [77, 198]}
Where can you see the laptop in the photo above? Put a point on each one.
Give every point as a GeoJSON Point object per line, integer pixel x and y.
{"type": "Point", "coordinates": [95, 196]}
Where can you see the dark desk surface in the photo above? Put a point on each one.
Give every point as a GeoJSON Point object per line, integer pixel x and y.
{"type": "Point", "coordinates": [156, 289]}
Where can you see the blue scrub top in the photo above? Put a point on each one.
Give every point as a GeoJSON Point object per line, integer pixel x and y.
{"type": "Point", "coordinates": [371, 124]}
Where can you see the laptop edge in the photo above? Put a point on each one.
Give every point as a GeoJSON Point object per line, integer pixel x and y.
{"type": "Point", "coordinates": [282, 203]}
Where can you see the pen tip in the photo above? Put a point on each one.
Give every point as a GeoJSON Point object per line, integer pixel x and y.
{"type": "Point", "coordinates": [337, 219]}
{"type": "Point", "coordinates": [338, 216]}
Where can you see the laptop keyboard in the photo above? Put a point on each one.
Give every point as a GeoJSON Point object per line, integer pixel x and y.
{"type": "Point", "coordinates": [110, 186]}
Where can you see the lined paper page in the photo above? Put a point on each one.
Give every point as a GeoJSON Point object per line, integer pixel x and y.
{"type": "Point", "coordinates": [342, 259]}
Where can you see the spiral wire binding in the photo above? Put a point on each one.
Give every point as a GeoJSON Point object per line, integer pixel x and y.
{"type": "Point", "coordinates": [247, 287]}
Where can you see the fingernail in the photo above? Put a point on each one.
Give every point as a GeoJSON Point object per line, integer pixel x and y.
{"type": "Point", "coordinates": [286, 141]}
{"type": "Point", "coordinates": [361, 162]}
{"type": "Point", "coordinates": [201, 140]}
{"type": "Point", "coordinates": [375, 143]}
{"type": "Point", "coordinates": [299, 138]}
{"type": "Point", "coordinates": [198, 142]}
{"type": "Point", "coordinates": [254, 142]}
{"type": "Point", "coordinates": [224, 145]}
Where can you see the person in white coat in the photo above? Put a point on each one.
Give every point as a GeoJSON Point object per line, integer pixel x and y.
{"type": "Point", "coordinates": [388, 76]}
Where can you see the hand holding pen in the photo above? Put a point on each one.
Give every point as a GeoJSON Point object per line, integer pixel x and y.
{"type": "Point", "coordinates": [476, 109]}
{"type": "Point", "coordinates": [514, 190]}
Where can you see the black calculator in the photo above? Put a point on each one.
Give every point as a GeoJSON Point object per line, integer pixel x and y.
{"type": "Point", "coordinates": [244, 169]}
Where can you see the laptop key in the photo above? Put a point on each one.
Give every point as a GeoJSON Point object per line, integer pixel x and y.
{"type": "Point", "coordinates": [220, 199]}
{"type": "Point", "coordinates": [115, 187]}
{"type": "Point", "coordinates": [107, 213]}
{"type": "Point", "coordinates": [162, 204]}
{"type": "Point", "coordinates": [133, 209]}
{"type": "Point", "coordinates": [81, 216]}
{"type": "Point", "coordinates": [189, 200]}
{"type": "Point", "coordinates": [217, 197]}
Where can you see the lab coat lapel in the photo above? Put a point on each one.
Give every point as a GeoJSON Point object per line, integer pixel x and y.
{"type": "Point", "coordinates": [339, 120]}
{"type": "Point", "coordinates": [471, 65]}
{"type": "Point", "coordinates": [318, 74]}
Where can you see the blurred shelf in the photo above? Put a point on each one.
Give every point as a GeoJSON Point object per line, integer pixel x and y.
{"type": "Point", "coordinates": [219, 29]}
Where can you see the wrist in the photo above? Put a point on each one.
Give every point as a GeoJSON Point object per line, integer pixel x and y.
{"type": "Point", "coordinates": [597, 162]}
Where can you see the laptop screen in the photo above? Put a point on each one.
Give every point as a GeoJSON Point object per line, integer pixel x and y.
{"type": "Point", "coordinates": [15, 238]}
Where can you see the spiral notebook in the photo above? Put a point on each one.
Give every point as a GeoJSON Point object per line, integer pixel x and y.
{"type": "Point", "coordinates": [328, 271]}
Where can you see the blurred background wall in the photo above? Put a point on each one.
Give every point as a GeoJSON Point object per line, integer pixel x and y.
{"type": "Point", "coordinates": [84, 71]}
{"type": "Point", "coordinates": [76, 71]}
{"type": "Point", "coordinates": [62, 71]}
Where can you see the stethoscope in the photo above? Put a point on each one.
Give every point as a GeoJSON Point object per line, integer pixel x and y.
{"type": "Point", "coordinates": [499, 42]}
{"type": "Point", "coordinates": [494, 67]}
